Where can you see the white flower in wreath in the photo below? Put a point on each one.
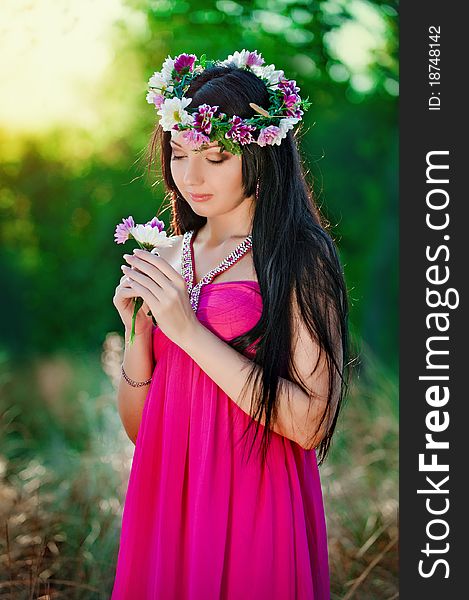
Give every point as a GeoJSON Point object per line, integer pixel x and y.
{"type": "Point", "coordinates": [238, 58]}
{"type": "Point", "coordinates": [158, 81]}
{"type": "Point", "coordinates": [286, 124]}
{"type": "Point", "coordinates": [244, 58]}
{"type": "Point", "coordinates": [167, 69]}
{"type": "Point", "coordinates": [172, 112]}
{"type": "Point", "coordinates": [269, 73]}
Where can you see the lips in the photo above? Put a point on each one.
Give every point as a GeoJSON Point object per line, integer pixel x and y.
{"type": "Point", "coordinates": [200, 197]}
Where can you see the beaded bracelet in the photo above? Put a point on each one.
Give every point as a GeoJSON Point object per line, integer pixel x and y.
{"type": "Point", "coordinates": [131, 381]}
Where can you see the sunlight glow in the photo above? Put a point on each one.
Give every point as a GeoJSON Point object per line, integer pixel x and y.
{"type": "Point", "coordinates": [52, 55]}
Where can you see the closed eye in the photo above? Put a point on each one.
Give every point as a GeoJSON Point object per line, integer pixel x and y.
{"type": "Point", "coordinates": [214, 162]}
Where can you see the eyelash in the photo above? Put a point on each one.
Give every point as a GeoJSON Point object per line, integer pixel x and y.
{"type": "Point", "coordinates": [214, 162]}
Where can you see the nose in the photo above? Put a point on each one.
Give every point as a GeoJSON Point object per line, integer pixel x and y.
{"type": "Point", "coordinates": [193, 173]}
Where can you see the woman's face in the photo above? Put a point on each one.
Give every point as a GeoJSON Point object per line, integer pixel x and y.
{"type": "Point", "coordinates": [207, 172]}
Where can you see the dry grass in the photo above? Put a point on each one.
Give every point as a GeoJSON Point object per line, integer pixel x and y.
{"type": "Point", "coordinates": [65, 463]}
{"type": "Point", "coordinates": [360, 484]}
{"type": "Point", "coordinates": [63, 471]}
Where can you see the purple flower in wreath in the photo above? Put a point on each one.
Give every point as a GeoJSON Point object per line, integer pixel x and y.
{"type": "Point", "coordinates": [295, 112]}
{"type": "Point", "coordinates": [203, 118]}
{"type": "Point", "coordinates": [240, 131]}
{"type": "Point", "coordinates": [291, 98]}
{"type": "Point", "coordinates": [254, 59]}
{"type": "Point", "coordinates": [185, 61]}
{"type": "Point", "coordinates": [293, 109]}
{"type": "Point", "coordinates": [269, 135]}
{"type": "Point", "coordinates": [288, 86]}
{"type": "Point", "coordinates": [194, 139]}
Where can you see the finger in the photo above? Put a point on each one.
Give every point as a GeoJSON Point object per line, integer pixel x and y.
{"type": "Point", "coordinates": [123, 283]}
{"type": "Point", "coordinates": [143, 292]}
{"type": "Point", "coordinates": [159, 262]}
{"type": "Point", "coordinates": [123, 280]}
{"type": "Point", "coordinates": [127, 293]}
{"type": "Point", "coordinates": [144, 280]}
{"type": "Point", "coordinates": [141, 266]}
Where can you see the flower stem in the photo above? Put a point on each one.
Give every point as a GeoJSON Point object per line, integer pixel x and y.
{"type": "Point", "coordinates": [137, 304]}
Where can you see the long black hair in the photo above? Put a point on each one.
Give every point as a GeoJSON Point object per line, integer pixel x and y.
{"type": "Point", "coordinates": [295, 258]}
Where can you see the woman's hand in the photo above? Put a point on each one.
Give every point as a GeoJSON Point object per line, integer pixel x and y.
{"type": "Point", "coordinates": [123, 301]}
{"type": "Point", "coordinates": [164, 291]}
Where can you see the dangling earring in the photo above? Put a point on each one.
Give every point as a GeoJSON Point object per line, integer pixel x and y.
{"type": "Point", "coordinates": [257, 190]}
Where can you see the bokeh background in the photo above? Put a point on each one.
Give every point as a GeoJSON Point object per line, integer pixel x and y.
{"type": "Point", "coordinates": [74, 126]}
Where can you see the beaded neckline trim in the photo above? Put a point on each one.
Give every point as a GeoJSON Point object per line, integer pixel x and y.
{"type": "Point", "coordinates": [187, 265]}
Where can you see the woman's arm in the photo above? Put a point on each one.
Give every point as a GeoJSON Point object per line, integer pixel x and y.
{"type": "Point", "coordinates": [138, 364]}
{"type": "Point", "coordinates": [228, 369]}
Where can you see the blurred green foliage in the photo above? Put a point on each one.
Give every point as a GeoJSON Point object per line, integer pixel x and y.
{"type": "Point", "coordinates": [63, 192]}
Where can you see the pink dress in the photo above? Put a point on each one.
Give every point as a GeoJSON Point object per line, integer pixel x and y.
{"type": "Point", "coordinates": [200, 521]}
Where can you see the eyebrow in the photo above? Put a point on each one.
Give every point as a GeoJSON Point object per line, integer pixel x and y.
{"type": "Point", "coordinates": [179, 145]}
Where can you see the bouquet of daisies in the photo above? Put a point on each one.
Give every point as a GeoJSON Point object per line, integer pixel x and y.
{"type": "Point", "coordinates": [149, 236]}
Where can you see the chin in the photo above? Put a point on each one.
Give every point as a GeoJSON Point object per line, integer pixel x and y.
{"type": "Point", "coordinates": [202, 211]}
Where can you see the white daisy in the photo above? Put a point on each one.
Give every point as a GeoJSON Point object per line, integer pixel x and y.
{"type": "Point", "coordinates": [158, 81]}
{"type": "Point", "coordinates": [151, 97]}
{"type": "Point", "coordinates": [172, 112]}
{"type": "Point", "coordinates": [269, 73]}
{"type": "Point", "coordinates": [238, 58]}
{"type": "Point", "coordinates": [286, 124]}
{"type": "Point", "coordinates": [146, 234]}
{"type": "Point", "coordinates": [167, 69]}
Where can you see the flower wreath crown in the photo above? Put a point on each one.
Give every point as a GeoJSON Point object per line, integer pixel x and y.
{"type": "Point", "coordinates": [202, 125]}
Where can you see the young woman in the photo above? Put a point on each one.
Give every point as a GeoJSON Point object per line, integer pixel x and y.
{"type": "Point", "coordinates": [247, 363]}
